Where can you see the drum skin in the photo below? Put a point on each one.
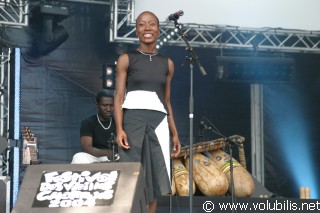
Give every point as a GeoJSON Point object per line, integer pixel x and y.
{"type": "Point", "coordinates": [210, 180]}
{"type": "Point", "coordinates": [181, 178]}
{"type": "Point", "coordinates": [243, 181]}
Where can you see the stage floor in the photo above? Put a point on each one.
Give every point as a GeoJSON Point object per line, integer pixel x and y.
{"type": "Point", "coordinates": [203, 204]}
{"type": "Point", "coordinates": [181, 204]}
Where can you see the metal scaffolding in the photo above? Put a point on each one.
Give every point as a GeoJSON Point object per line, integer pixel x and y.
{"type": "Point", "coordinates": [4, 105]}
{"type": "Point", "coordinates": [14, 13]}
{"type": "Point", "coordinates": [122, 29]}
{"type": "Point", "coordinates": [101, 2]}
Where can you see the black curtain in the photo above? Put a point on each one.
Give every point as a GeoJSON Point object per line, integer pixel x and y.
{"type": "Point", "coordinates": [291, 126]}
{"type": "Point", "coordinates": [58, 89]}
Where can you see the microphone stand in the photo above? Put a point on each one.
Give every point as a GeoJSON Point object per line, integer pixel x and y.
{"type": "Point", "coordinates": [192, 58]}
{"type": "Point", "coordinates": [230, 144]}
{"type": "Point", "coordinates": [112, 142]}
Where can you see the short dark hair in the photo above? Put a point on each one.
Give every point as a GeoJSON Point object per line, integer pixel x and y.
{"type": "Point", "coordinates": [144, 12]}
{"type": "Point", "coordinates": [104, 93]}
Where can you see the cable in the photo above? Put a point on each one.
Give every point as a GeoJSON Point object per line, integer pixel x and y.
{"type": "Point", "coordinates": [211, 124]}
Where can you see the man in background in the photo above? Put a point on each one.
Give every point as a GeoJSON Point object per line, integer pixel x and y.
{"type": "Point", "coordinates": [97, 133]}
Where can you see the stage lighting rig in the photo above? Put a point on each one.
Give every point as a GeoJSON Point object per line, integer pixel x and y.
{"type": "Point", "coordinates": [108, 76]}
{"type": "Point", "coordinates": [52, 34]}
{"type": "Point", "coordinates": [50, 9]}
{"type": "Point", "coordinates": [255, 69]}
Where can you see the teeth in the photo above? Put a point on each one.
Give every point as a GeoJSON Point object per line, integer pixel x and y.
{"type": "Point", "coordinates": [147, 35]}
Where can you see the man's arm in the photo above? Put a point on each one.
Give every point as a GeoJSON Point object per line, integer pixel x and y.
{"type": "Point", "coordinates": [86, 145]}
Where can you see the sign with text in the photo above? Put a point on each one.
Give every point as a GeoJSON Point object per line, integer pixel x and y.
{"type": "Point", "coordinates": [76, 189]}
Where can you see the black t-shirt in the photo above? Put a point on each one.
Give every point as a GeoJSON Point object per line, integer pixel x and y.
{"type": "Point", "coordinates": [101, 137]}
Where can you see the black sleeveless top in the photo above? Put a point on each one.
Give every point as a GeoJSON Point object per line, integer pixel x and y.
{"type": "Point", "coordinates": [147, 75]}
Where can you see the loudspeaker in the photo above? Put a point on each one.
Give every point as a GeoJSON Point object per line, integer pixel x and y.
{"type": "Point", "coordinates": [73, 188]}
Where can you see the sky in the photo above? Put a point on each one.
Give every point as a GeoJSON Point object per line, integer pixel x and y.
{"type": "Point", "coordinates": [285, 14]}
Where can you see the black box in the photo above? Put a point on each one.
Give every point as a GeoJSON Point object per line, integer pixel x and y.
{"type": "Point", "coordinates": [129, 193]}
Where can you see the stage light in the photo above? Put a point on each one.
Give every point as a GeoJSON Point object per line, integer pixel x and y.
{"type": "Point", "coordinates": [255, 69]}
{"type": "Point", "coordinates": [166, 38]}
{"type": "Point", "coordinates": [52, 34]}
{"type": "Point", "coordinates": [108, 76]}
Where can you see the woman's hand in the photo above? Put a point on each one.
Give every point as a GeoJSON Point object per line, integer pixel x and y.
{"type": "Point", "coordinates": [122, 140]}
{"type": "Point", "coordinates": [176, 146]}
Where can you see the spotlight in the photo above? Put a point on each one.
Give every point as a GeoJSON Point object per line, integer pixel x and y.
{"type": "Point", "coordinates": [255, 69]}
{"type": "Point", "coordinates": [108, 76]}
{"type": "Point", "coordinates": [52, 34]}
{"type": "Point", "coordinates": [54, 10]}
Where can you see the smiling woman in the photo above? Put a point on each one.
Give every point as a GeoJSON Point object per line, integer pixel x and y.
{"type": "Point", "coordinates": [147, 30]}
{"type": "Point", "coordinates": [142, 108]}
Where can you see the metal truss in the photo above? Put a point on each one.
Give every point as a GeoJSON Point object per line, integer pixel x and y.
{"type": "Point", "coordinates": [4, 73]}
{"type": "Point", "coordinates": [102, 2]}
{"type": "Point", "coordinates": [4, 104]}
{"type": "Point", "coordinates": [14, 12]}
{"type": "Point", "coordinates": [122, 29]}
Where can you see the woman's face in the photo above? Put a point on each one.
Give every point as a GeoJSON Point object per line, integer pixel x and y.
{"type": "Point", "coordinates": [147, 28]}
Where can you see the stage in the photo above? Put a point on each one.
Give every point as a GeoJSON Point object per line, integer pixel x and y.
{"type": "Point", "coordinates": [112, 187]}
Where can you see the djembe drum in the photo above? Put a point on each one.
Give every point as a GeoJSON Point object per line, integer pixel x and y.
{"type": "Point", "coordinates": [243, 181]}
{"type": "Point", "coordinates": [208, 146]}
{"type": "Point", "coordinates": [210, 180]}
{"type": "Point", "coordinates": [181, 178]}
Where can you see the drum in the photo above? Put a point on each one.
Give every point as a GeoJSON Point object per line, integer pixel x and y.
{"type": "Point", "coordinates": [243, 181]}
{"type": "Point", "coordinates": [181, 178]}
{"type": "Point", "coordinates": [173, 186]}
{"type": "Point", "coordinates": [210, 180]}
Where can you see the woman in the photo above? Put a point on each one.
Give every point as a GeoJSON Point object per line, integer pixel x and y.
{"type": "Point", "coordinates": [142, 109]}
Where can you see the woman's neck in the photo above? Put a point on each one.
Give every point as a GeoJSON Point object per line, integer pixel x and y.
{"type": "Point", "coordinates": [148, 49]}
